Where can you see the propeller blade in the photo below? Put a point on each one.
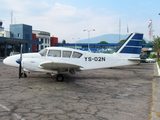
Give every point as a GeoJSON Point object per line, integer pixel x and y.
{"type": "Point", "coordinates": [20, 70]}
{"type": "Point", "coordinates": [20, 62]}
{"type": "Point", "coordinates": [20, 66]}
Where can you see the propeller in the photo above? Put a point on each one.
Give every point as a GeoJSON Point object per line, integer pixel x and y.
{"type": "Point", "coordinates": [19, 61]}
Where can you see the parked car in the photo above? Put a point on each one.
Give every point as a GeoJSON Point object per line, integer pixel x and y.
{"type": "Point", "coordinates": [151, 60]}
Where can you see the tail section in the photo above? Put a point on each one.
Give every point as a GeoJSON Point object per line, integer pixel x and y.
{"type": "Point", "coordinates": [132, 45]}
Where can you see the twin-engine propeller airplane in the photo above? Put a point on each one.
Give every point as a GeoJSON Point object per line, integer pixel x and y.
{"type": "Point", "coordinates": [56, 60]}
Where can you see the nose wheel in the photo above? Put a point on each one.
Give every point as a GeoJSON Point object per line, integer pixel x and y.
{"type": "Point", "coordinates": [60, 78]}
{"type": "Point", "coordinates": [23, 75]}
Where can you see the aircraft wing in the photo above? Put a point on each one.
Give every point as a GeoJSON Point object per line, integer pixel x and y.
{"type": "Point", "coordinates": [58, 65]}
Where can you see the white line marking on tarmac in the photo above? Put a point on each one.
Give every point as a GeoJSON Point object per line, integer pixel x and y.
{"type": "Point", "coordinates": [16, 115]}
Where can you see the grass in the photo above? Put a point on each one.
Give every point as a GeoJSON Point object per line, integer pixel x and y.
{"type": "Point", "coordinates": [158, 62]}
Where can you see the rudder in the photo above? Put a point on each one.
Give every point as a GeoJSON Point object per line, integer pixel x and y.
{"type": "Point", "coordinates": [132, 45]}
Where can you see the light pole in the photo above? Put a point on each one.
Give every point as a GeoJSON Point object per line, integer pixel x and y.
{"type": "Point", "coordinates": [89, 38]}
{"type": "Point", "coordinates": [73, 40]}
{"type": "Point", "coordinates": [76, 41]}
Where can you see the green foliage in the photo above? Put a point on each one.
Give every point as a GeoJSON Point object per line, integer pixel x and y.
{"type": "Point", "coordinates": [121, 41]}
{"type": "Point", "coordinates": [143, 41]}
{"type": "Point", "coordinates": [152, 56]}
{"type": "Point", "coordinates": [156, 45]}
{"type": "Point", "coordinates": [103, 42]}
{"type": "Point", "coordinates": [158, 62]}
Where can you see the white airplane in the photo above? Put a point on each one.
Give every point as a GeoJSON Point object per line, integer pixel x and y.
{"type": "Point", "coordinates": [56, 60]}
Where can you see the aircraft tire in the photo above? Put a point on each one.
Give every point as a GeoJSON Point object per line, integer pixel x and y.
{"type": "Point", "coordinates": [59, 78]}
{"type": "Point", "coordinates": [24, 75]}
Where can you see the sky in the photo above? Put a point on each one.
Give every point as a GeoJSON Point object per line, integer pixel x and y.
{"type": "Point", "coordinates": [67, 19]}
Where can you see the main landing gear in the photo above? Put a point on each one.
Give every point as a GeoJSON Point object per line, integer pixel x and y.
{"type": "Point", "coordinates": [60, 78]}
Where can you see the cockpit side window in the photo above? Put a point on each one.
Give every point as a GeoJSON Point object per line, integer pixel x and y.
{"type": "Point", "coordinates": [43, 52]}
{"type": "Point", "coordinates": [54, 53]}
{"type": "Point", "coordinates": [66, 54]}
{"type": "Point", "coordinates": [76, 55]}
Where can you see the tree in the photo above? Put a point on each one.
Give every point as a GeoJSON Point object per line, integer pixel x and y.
{"type": "Point", "coordinates": [64, 42]}
{"type": "Point", "coordinates": [103, 42]}
{"type": "Point", "coordinates": [156, 45]}
{"type": "Point", "coordinates": [143, 41]}
{"type": "Point", "coordinates": [121, 41]}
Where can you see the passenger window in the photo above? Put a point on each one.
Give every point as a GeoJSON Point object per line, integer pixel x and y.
{"type": "Point", "coordinates": [43, 52]}
{"type": "Point", "coordinates": [54, 53]}
{"type": "Point", "coordinates": [76, 55]}
{"type": "Point", "coordinates": [66, 54]}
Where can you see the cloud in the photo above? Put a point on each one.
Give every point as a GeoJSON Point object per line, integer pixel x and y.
{"type": "Point", "coordinates": [66, 21]}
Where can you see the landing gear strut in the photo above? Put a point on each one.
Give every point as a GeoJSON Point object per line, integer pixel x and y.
{"type": "Point", "coordinates": [60, 78]}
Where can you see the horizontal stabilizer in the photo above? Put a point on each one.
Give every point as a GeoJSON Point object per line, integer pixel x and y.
{"type": "Point", "coordinates": [136, 59]}
{"type": "Point", "coordinates": [144, 60]}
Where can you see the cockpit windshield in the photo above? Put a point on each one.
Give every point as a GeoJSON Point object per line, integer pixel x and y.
{"type": "Point", "coordinates": [43, 52]}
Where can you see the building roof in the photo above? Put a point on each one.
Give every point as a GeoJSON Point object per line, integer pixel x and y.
{"type": "Point", "coordinates": [12, 40]}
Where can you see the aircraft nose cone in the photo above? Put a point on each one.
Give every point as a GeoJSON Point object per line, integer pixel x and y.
{"type": "Point", "coordinates": [19, 60]}
{"type": "Point", "coordinates": [6, 61]}
{"type": "Point", "coordinates": [11, 60]}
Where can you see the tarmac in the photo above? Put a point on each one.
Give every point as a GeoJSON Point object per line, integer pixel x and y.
{"type": "Point", "coordinates": [122, 93]}
{"type": "Point", "coordinates": [155, 105]}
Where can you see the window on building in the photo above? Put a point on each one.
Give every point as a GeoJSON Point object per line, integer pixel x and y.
{"type": "Point", "coordinates": [18, 34]}
{"type": "Point", "coordinates": [54, 53]}
{"type": "Point", "coordinates": [41, 47]}
{"type": "Point", "coordinates": [66, 54]}
{"type": "Point", "coordinates": [45, 40]}
{"type": "Point", "coordinates": [42, 40]}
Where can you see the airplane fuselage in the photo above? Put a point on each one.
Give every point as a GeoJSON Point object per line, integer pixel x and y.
{"type": "Point", "coordinates": [87, 60]}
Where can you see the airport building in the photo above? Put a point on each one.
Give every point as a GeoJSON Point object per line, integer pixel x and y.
{"type": "Point", "coordinates": [43, 37]}
{"type": "Point", "coordinates": [19, 34]}
{"type": "Point", "coordinates": [4, 34]}
{"type": "Point", "coordinates": [22, 34]}
{"type": "Point", "coordinates": [1, 28]}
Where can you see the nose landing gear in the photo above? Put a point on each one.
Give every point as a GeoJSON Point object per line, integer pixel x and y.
{"type": "Point", "coordinates": [23, 75]}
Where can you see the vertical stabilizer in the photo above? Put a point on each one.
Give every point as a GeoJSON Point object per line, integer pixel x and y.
{"type": "Point", "coordinates": [132, 45]}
